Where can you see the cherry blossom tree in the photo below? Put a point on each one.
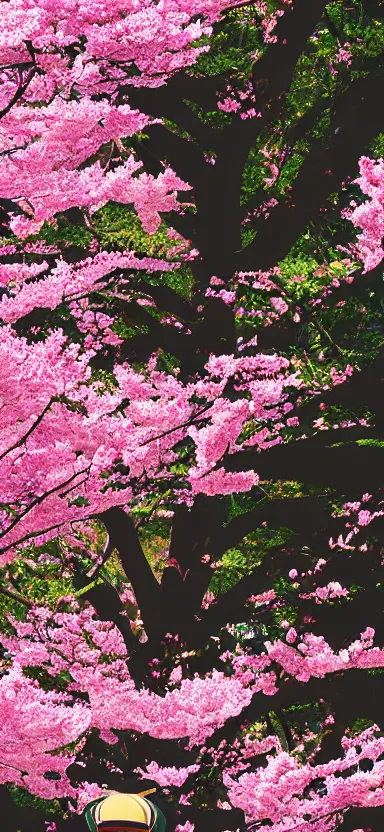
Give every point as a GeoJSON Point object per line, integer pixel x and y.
{"type": "Point", "coordinates": [121, 395]}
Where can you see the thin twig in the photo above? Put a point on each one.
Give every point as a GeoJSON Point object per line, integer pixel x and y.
{"type": "Point", "coordinates": [29, 431]}
{"type": "Point", "coordinates": [19, 92]}
{"type": "Point", "coordinates": [107, 551]}
{"type": "Point", "coordinates": [178, 427]}
{"type": "Point", "coordinates": [324, 332]}
{"type": "Point", "coordinates": [33, 504]}
{"type": "Point", "coordinates": [16, 597]}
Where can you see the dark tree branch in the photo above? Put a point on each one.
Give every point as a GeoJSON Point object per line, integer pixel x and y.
{"type": "Point", "coordinates": [218, 199]}
{"type": "Point", "coordinates": [336, 688]}
{"type": "Point", "coordinates": [272, 74]}
{"type": "Point", "coordinates": [213, 332]}
{"type": "Point", "coordinates": [369, 817]}
{"type": "Point", "coordinates": [355, 122]}
{"type": "Point", "coordinates": [169, 101]}
{"type": "Point", "coordinates": [167, 299]}
{"type": "Point", "coordinates": [363, 283]}
{"type": "Point", "coordinates": [350, 468]}
{"type": "Point", "coordinates": [299, 514]}
{"type": "Point", "coordinates": [307, 121]}
{"type": "Point", "coordinates": [9, 593]}
{"type": "Point", "coordinates": [23, 85]}
{"type": "Point", "coordinates": [124, 538]}
{"type": "Point", "coordinates": [106, 601]}
{"type": "Point", "coordinates": [217, 188]}
{"type": "Point", "coordinates": [183, 155]}
{"type": "Point", "coordinates": [364, 389]}
{"type": "Point", "coordinates": [332, 28]}
{"type": "Point", "coordinates": [28, 817]}
{"type": "Point", "coordinates": [186, 580]}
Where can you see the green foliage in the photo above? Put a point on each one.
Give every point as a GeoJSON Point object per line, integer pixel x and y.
{"type": "Point", "coordinates": [231, 45]}
{"type": "Point", "coordinates": [39, 582]}
{"type": "Point", "coordinates": [376, 148]}
{"type": "Point", "coordinates": [236, 563]}
{"type": "Point", "coordinates": [361, 725]}
{"type": "Point", "coordinates": [118, 227]}
{"type": "Point", "coordinates": [24, 798]}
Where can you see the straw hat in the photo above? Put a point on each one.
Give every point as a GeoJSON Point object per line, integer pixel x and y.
{"type": "Point", "coordinates": [124, 813]}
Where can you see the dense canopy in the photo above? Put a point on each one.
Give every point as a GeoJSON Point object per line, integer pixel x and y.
{"type": "Point", "coordinates": [191, 290]}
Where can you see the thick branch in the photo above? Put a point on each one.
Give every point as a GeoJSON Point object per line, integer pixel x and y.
{"type": "Point", "coordinates": [106, 601]}
{"type": "Point", "coordinates": [184, 156]}
{"type": "Point", "coordinates": [168, 101]}
{"type": "Point", "coordinates": [356, 121]}
{"type": "Point", "coordinates": [167, 299]}
{"type": "Point", "coordinates": [124, 537]}
{"type": "Point", "coordinates": [364, 389]}
{"type": "Point", "coordinates": [184, 584]}
{"type": "Point", "coordinates": [368, 817]}
{"type": "Point", "coordinates": [348, 467]}
{"type": "Point", "coordinates": [302, 515]}
{"type": "Point", "coordinates": [366, 701]}
{"type": "Point", "coordinates": [272, 75]}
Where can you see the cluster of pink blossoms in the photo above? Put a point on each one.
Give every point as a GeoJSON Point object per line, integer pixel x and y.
{"type": "Point", "coordinates": [369, 216]}
{"type": "Point", "coordinates": [276, 792]}
{"type": "Point", "coordinates": [60, 456]}
{"type": "Point", "coordinates": [78, 432]}
{"type": "Point", "coordinates": [193, 708]}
